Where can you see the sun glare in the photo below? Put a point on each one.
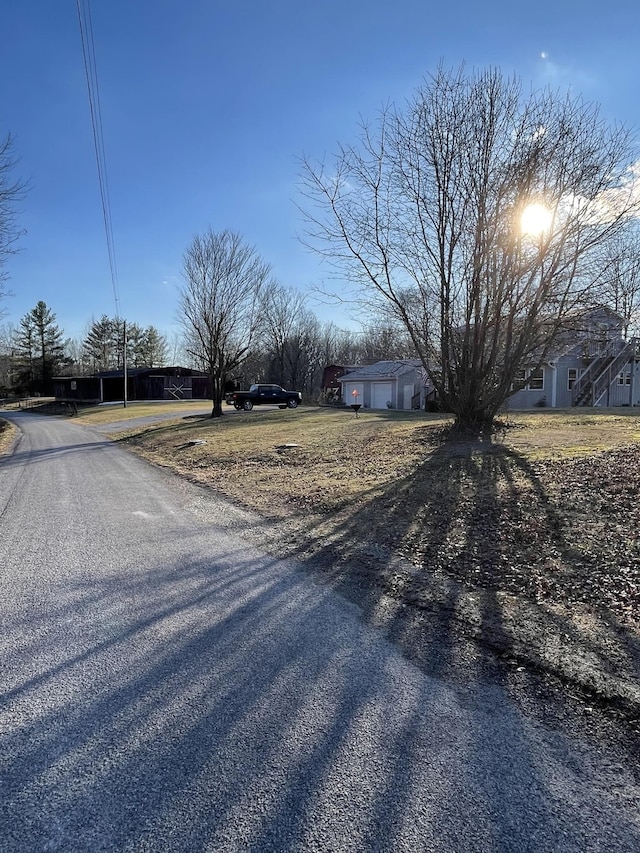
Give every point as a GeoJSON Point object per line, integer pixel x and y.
{"type": "Point", "coordinates": [535, 219]}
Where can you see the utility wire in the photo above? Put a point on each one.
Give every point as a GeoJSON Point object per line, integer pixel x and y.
{"type": "Point", "coordinates": [91, 74]}
{"type": "Point", "coordinates": [89, 56]}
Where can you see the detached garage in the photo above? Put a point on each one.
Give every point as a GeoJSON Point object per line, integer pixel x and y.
{"type": "Point", "coordinates": [385, 385]}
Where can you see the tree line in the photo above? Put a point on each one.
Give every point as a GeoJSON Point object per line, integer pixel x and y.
{"type": "Point", "coordinates": [483, 222]}
{"type": "Point", "coordinates": [241, 326]}
{"type": "Point", "coordinates": [36, 351]}
{"type": "Point", "coordinates": [473, 226]}
{"type": "Point", "coordinates": [291, 347]}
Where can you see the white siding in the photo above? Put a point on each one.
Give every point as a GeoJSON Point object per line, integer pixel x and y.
{"type": "Point", "coordinates": [349, 397]}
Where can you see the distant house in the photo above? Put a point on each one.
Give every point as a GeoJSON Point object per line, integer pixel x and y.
{"type": "Point", "coordinates": [593, 364]}
{"type": "Point", "coordinates": [330, 388]}
{"type": "Point", "coordinates": [399, 384]}
{"type": "Point", "coordinates": [143, 383]}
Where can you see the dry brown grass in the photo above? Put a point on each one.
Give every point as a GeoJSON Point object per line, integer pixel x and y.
{"type": "Point", "coordinates": [557, 434]}
{"type": "Point", "coordinates": [334, 458]}
{"type": "Point", "coordinates": [280, 462]}
{"type": "Point", "coordinates": [96, 415]}
{"type": "Point", "coordinates": [536, 530]}
{"type": "Point", "coordinates": [530, 539]}
{"type": "Point", "coordinates": [8, 434]}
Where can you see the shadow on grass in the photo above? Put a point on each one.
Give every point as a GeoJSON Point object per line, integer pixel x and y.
{"type": "Point", "coordinates": [474, 539]}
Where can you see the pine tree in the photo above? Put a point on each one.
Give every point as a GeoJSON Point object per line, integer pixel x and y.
{"type": "Point", "coordinates": [40, 349]}
{"type": "Point", "coordinates": [103, 345]}
{"type": "Point", "coordinates": [153, 349]}
{"type": "Point", "coordinates": [135, 345]}
{"type": "Point", "coordinates": [100, 345]}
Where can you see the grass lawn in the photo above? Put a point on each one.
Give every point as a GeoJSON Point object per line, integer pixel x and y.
{"type": "Point", "coordinates": [116, 412]}
{"type": "Point", "coordinates": [326, 460]}
{"type": "Point", "coordinates": [552, 493]}
{"type": "Point", "coordinates": [8, 434]}
{"type": "Point", "coordinates": [531, 539]}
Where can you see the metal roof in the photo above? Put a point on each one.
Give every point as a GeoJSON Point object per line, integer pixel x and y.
{"type": "Point", "coordinates": [381, 370]}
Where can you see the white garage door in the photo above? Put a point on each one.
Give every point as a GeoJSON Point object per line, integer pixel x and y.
{"type": "Point", "coordinates": [380, 394]}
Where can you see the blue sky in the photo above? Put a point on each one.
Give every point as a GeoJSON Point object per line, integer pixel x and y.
{"type": "Point", "coordinates": [207, 105]}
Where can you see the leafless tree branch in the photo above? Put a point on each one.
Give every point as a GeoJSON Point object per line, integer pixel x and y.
{"type": "Point", "coordinates": [424, 212]}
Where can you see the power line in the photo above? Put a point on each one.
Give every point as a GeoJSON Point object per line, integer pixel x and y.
{"type": "Point", "coordinates": [89, 57]}
{"type": "Point", "coordinates": [91, 74]}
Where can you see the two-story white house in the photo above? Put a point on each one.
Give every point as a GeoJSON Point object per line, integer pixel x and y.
{"type": "Point", "coordinates": [593, 364]}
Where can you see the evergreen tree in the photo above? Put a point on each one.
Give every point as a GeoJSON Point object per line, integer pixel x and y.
{"type": "Point", "coordinates": [135, 343]}
{"type": "Point", "coordinates": [104, 345]}
{"type": "Point", "coordinates": [153, 348]}
{"type": "Point", "coordinates": [118, 328]}
{"type": "Point", "coordinates": [99, 345]}
{"type": "Point", "coordinates": [40, 349]}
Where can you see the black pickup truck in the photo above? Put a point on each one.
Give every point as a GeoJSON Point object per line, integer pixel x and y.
{"type": "Point", "coordinates": [260, 394]}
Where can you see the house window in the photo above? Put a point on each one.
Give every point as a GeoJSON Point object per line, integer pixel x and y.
{"type": "Point", "coordinates": [518, 379]}
{"type": "Point", "coordinates": [624, 378]}
{"type": "Point", "coordinates": [536, 379]}
{"type": "Point", "coordinates": [572, 376]}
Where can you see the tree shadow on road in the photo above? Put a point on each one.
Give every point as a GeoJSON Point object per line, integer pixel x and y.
{"type": "Point", "coordinates": [232, 705]}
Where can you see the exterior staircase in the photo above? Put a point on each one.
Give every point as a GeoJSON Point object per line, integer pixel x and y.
{"type": "Point", "coordinates": [603, 370]}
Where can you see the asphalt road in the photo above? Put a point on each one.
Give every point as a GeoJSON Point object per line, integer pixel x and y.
{"type": "Point", "coordinates": [167, 687]}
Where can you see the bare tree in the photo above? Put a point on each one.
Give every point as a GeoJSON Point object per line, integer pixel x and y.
{"type": "Point", "coordinates": [219, 304]}
{"type": "Point", "coordinates": [283, 310]}
{"type": "Point", "coordinates": [620, 276]}
{"type": "Point", "coordinates": [7, 361]}
{"type": "Point", "coordinates": [7, 332]}
{"type": "Point", "coordinates": [476, 214]}
{"type": "Point", "coordinates": [11, 191]}
{"type": "Point", "coordinates": [77, 361]}
{"type": "Point", "coordinates": [339, 346]}
{"type": "Point", "coordinates": [176, 350]}
{"type": "Point", "coordinates": [291, 338]}
{"type": "Point", "coordinates": [383, 341]}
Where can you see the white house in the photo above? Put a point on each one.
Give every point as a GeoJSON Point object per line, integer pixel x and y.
{"type": "Point", "coordinates": [593, 364]}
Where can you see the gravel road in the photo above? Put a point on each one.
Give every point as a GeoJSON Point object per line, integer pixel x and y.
{"type": "Point", "coordinates": [167, 686]}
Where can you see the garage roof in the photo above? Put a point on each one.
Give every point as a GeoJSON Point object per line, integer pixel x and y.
{"type": "Point", "coordinates": [381, 370]}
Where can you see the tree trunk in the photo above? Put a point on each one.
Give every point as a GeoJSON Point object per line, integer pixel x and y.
{"type": "Point", "coordinates": [217, 393]}
{"type": "Point", "coordinates": [474, 422]}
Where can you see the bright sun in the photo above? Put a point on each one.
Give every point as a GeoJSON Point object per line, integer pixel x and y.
{"type": "Point", "coordinates": [535, 219]}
